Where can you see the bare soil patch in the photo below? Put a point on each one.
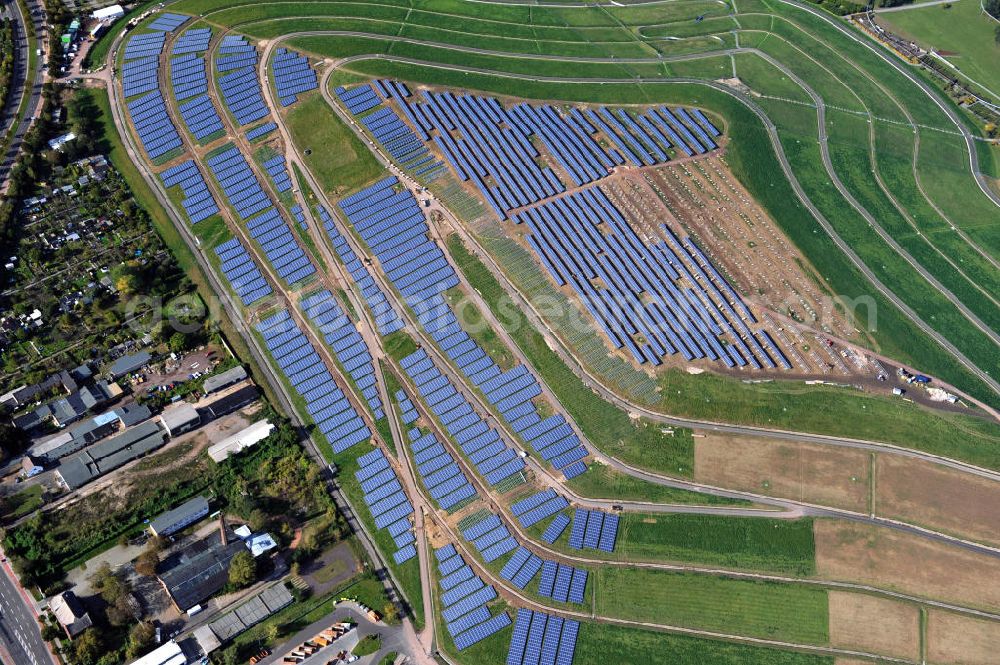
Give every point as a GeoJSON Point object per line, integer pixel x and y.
{"type": "Point", "coordinates": [823, 475]}
{"type": "Point", "coordinates": [960, 640]}
{"type": "Point", "coordinates": [875, 625]}
{"type": "Point", "coordinates": [938, 497]}
{"type": "Point", "coordinates": [891, 559]}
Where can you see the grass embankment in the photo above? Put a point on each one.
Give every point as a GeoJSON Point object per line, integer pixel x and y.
{"type": "Point", "coordinates": [334, 155]}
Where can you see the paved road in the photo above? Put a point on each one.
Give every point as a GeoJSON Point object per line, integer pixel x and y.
{"type": "Point", "coordinates": [21, 78]}
{"type": "Point", "coordinates": [20, 638]}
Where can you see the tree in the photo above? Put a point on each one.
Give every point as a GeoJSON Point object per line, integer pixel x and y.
{"type": "Point", "coordinates": [147, 562]}
{"type": "Point", "coordinates": [140, 638]}
{"type": "Point", "coordinates": [389, 612]}
{"type": "Point", "coordinates": [178, 342]}
{"type": "Point", "coordinates": [87, 647]}
{"type": "Point", "coordinates": [271, 633]}
{"type": "Point", "coordinates": [242, 570]}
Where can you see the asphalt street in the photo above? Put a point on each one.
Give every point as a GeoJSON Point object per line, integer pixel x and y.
{"type": "Point", "coordinates": [20, 639]}
{"type": "Point", "coordinates": [21, 78]}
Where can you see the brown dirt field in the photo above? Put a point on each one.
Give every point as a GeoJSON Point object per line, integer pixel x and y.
{"type": "Point", "coordinates": [937, 497]}
{"type": "Point", "coordinates": [825, 475]}
{"type": "Point", "coordinates": [953, 639]}
{"type": "Point", "coordinates": [875, 625]}
{"type": "Point", "coordinates": [890, 559]}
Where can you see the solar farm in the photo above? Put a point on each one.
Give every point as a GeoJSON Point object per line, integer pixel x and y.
{"type": "Point", "coordinates": [599, 250]}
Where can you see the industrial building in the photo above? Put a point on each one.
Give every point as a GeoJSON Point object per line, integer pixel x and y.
{"type": "Point", "coordinates": [183, 515]}
{"type": "Point", "coordinates": [200, 570]}
{"type": "Point", "coordinates": [245, 438]}
{"type": "Point", "coordinates": [108, 455]}
{"type": "Point", "coordinates": [88, 432]}
{"type": "Point", "coordinates": [231, 402]}
{"type": "Point", "coordinates": [128, 364]}
{"type": "Point", "coordinates": [180, 418]}
{"type": "Point", "coordinates": [224, 379]}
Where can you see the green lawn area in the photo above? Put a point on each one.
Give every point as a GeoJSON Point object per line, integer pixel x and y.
{"type": "Point", "coordinates": [769, 610]}
{"type": "Point", "coordinates": [599, 644]}
{"type": "Point", "coordinates": [963, 33]}
{"type": "Point", "coordinates": [338, 159]}
{"type": "Point", "coordinates": [368, 645]}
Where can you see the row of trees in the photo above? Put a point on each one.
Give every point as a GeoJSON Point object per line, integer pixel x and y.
{"type": "Point", "coordinates": [992, 8]}
{"type": "Point", "coordinates": [7, 58]}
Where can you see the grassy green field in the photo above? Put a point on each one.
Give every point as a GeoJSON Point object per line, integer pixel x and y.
{"type": "Point", "coordinates": [316, 128]}
{"type": "Point", "coordinates": [597, 641]}
{"type": "Point", "coordinates": [783, 546]}
{"type": "Point", "coordinates": [960, 31]}
{"type": "Point", "coordinates": [755, 609]}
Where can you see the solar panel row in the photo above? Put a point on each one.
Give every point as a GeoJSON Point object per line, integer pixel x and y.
{"type": "Point", "coordinates": [491, 538]}
{"type": "Point", "coordinates": [292, 76]}
{"type": "Point", "coordinates": [394, 227]}
{"type": "Point", "coordinates": [325, 402]}
{"type": "Point", "coordinates": [677, 302]}
{"type": "Point", "coordinates": [358, 99]}
{"type": "Point", "coordinates": [408, 412]}
{"type": "Point", "coordinates": [146, 44]}
{"type": "Point", "coordinates": [168, 22]}
{"type": "Point", "coordinates": [188, 76]}
{"type": "Point", "coordinates": [493, 458]}
{"type": "Point", "coordinates": [389, 130]}
{"type": "Point", "coordinates": [261, 130]}
{"type": "Point", "coordinates": [593, 529]}
{"type": "Point", "coordinates": [383, 494]}
{"type": "Point", "coordinates": [194, 40]}
{"type": "Point", "coordinates": [157, 134]}
{"type": "Point", "coordinates": [348, 346]}
{"type": "Point", "coordinates": [240, 88]}
{"type": "Point", "coordinates": [275, 167]}
{"type": "Point", "coordinates": [439, 472]}
{"type": "Point", "coordinates": [140, 76]}
{"type": "Point", "coordinates": [198, 202]}
{"type": "Point", "coordinates": [386, 319]}
{"type": "Point", "coordinates": [463, 598]}
{"type": "Point", "coordinates": [242, 272]}
{"type": "Point", "coordinates": [201, 118]}
{"type": "Point", "coordinates": [540, 639]}
{"type": "Point", "coordinates": [283, 252]}
{"type": "Point", "coordinates": [562, 583]}
{"type": "Point", "coordinates": [485, 142]}
{"type": "Point", "coordinates": [538, 506]}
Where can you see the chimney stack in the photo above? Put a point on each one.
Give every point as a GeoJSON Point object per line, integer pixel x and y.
{"type": "Point", "coordinates": [222, 530]}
